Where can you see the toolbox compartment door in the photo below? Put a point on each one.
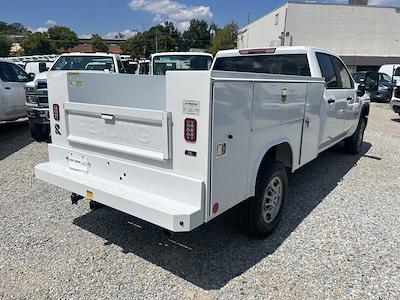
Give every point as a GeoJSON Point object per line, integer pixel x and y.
{"type": "Point", "coordinates": [132, 131]}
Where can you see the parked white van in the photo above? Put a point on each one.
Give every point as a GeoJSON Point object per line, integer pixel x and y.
{"type": "Point", "coordinates": [391, 70]}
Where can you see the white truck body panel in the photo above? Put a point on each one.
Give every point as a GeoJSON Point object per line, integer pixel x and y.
{"type": "Point", "coordinates": [119, 139]}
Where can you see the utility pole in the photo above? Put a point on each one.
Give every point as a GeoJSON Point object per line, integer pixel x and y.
{"type": "Point", "coordinates": [156, 40]}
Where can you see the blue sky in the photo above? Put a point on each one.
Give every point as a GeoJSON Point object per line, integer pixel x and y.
{"type": "Point", "coordinates": [108, 17]}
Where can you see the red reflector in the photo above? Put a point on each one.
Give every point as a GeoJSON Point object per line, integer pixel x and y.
{"type": "Point", "coordinates": [257, 51]}
{"type": "Point", "coordinates": [56, 112]}
{"type": "Point", "coordinates": [215, 208]}
{"type": "Point", "coordinates": [190, 130]}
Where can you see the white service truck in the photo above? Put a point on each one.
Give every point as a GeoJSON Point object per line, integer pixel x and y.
{"type": "Point", "coordinates": [181, 149]}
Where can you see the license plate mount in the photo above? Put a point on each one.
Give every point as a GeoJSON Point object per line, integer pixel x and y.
{"type": "Point", "coordinates": [78, 162]}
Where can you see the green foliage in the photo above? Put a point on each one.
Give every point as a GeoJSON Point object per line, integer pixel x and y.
{"type": "Point", "coordinates": [225, 38]}
{"type": "Point", "coordinates": [197, 36]}
{"type": "Point", "coordinates": [62, 37]}
{"type": "Point", "coordinates": [5, 46]}
{"type": "Point", "coordinates": [164, 38]}
{"type": "Point", "coordinates": [136, 46]}
{"type": "Point", "coordinates": [37, 43]}
{"type": "Point", "coordinates": [13, 29]}
{"type": "Point", "coordinates": [159, 38]}
{"type": "Point", "coordinates": [98, 44]}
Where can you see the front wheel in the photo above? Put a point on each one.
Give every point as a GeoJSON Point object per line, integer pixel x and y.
{"type": "Point", "coordinates": [353, 144]}
{"type": "Point", "coordinates": [261, 214]}
{"type": "Point", "coordinates": [40, 132]}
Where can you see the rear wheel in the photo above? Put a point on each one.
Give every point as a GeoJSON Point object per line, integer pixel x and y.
{"type": "Point", "coordinates": [261, 214]}
{"type": "Point", "coordinates": [40, 132]}
{"type": "Point", "coordinates": [353, 144]}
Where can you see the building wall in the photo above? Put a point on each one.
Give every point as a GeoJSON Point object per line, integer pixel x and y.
{"type": "Point", "coordinates": [344, 29]}
{"type": "Point", "coordinates": [264, 32]}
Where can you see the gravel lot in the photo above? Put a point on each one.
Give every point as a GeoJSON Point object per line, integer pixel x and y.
{"type": "Point", "coordinates": [340, 237]}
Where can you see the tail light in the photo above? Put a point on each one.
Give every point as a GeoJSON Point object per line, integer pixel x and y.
{"type": "Point", "coordinates": [56, 112]}
{"type": "Point", "coordinates": [190, 130]}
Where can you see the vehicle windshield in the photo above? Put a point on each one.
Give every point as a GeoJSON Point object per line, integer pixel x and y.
{"type": "Point", "coordinates": [84, 63]}
{"type": "Point", "coordinates": [165, 63]}
{"type": "Point", "coordinates": [384, 78]}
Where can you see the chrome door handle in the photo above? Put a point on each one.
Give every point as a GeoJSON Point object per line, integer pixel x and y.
{"type": "Point", "coordinates": [107, 117]}
{"type": "Point", "coordinates": [7, 88]}
{"type": "Point", "coordinates": [350, 98]}
{"type": "Point", "coordinates": [331, 101]}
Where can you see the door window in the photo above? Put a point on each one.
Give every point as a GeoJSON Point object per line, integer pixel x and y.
{"type": "Point", "coordinates": [328, 71]}
{"type": "Point", "coordinates": [12, 73]}
{"type": "Point", "coordinates": [19, 74]}
{"type": "Point", "coordinates": [6, 74]}
{"type": "Point", "coordinates": [345, 81]}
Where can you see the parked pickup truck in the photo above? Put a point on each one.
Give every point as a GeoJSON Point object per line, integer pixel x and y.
{"type": "Point", "coordinates": [181, 149]}
{"type": "Point", "coordinates": [395, 102]}
{"type": "Point", "coordinates": [37, 104]}
{"type": "Point", "coordinates": [12, 91]}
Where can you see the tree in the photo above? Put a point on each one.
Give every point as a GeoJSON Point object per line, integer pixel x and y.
{"type": "Point", "coordinates": [37, 43]}
{"type": "Point", "coordinates": [164, 38]}
{"type": "Point", "coordinates": [13, 29]}
{"type": "Point", "coordinates": [136, 46]}
{"type": "Point", "coordinates": [62, 37]}
{"type": "Point", "coordinates": [197, 36]}
{"type": "Point", "coordinates": [159, 38]}
{"type": "Point", "coordinates": [225, 38]}
{"type": "Point", "coordinates": [5, 46]}
{"type": "Point", "coordinates": [98, 44]}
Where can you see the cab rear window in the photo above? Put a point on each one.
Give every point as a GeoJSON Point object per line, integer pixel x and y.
{"type": "Point", "coordinates": [284, 64]}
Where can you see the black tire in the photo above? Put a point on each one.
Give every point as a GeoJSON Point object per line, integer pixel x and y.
{"type": "Point", "coordinates": [352, 145]}
{"type": "Point", "coordinates": [39, 132]}
{"type": "Point", "coordinates": [252, 215]}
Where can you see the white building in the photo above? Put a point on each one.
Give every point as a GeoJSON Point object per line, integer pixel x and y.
{"type": "Point", "coordinates": [366, 37]}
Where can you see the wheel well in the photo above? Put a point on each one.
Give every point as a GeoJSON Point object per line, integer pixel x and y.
{"type": "Point", "coordinates": [281, 152]}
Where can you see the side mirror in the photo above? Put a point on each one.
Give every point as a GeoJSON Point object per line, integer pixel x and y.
{"type": "Point", "coordinates": [31, 76]}
{"type": "Point", "coordinates": [361, 90]}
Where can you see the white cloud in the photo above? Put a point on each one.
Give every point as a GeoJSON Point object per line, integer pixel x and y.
{"type": "Point", "coordinates": [171, 10]}
{"type": "Point", "coordinates": [40, 29]}
{"type": "Point", "coordinates": [127, 33]}
{"type": "Point", "coordinates": [51, 23]}
{"type": "Point", "coordinates": [183, 26]}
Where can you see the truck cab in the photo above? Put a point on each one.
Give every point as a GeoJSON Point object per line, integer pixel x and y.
{"type": "Point", "coordinates": [36, 91]}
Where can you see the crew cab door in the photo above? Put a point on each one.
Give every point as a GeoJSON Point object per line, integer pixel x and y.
{"type": "Point", "coordinates": [13, 80]}
{"type": "Point", "coordinates": [334, 104]}
{"type": "Point", "coordinates": [346, 84]}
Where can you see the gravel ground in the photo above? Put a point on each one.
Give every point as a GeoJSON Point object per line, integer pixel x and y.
{"type": "Point", "coordinates": [340, 237]}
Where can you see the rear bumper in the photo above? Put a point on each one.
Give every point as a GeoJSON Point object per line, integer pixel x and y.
{"type": "Point", "coordinates": [143, 201]}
